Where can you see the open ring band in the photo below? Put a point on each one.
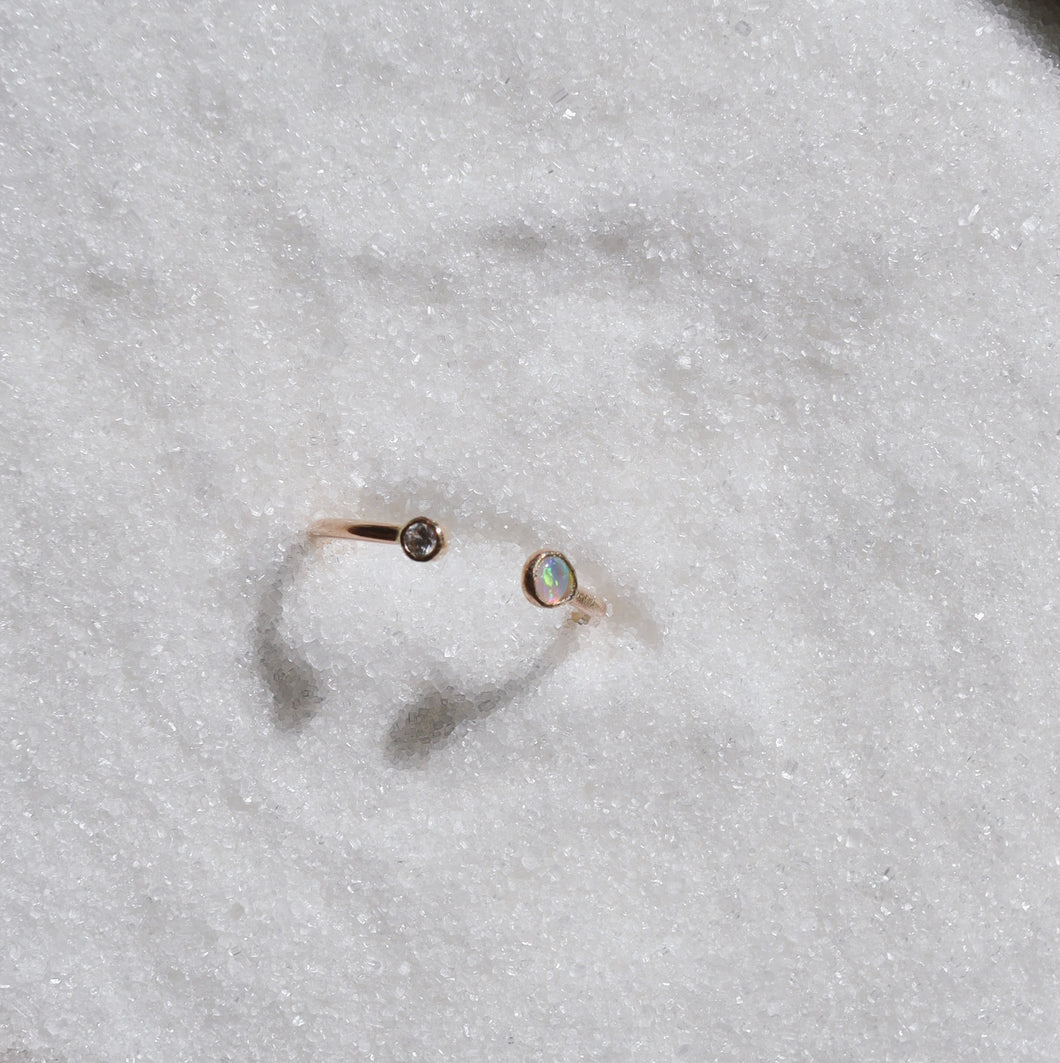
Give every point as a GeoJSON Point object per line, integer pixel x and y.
{"type": "Point", "coordinates": [549, 579]}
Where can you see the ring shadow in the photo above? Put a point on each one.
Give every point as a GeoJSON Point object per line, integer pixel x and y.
{"type": "Point", "coordinates": [291, 680]}
{"type": "Point", "coordinates": [296, 695]}
{"type": "Point", "coordinates": [432, 721]}
{"type": "Point", "coordinates": [1039, 18]}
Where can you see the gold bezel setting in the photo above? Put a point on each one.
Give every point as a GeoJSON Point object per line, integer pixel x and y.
{"type": "Point", "coordinates": [539, 573]}
{"type": "Point", "coordinates": [422, 539]}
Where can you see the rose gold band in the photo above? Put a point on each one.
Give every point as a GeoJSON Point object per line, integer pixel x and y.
{"type": "Point", "coordinates": [333, 528]}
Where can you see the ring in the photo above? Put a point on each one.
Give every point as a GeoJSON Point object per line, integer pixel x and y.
{"type": "Point", "coordinates": [421, 538]}
{"type": "Point", "coordinates": [549, 580]}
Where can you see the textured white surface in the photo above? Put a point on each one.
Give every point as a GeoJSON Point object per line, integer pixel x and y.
{"type": "Point", "coordinates": [751, 309]}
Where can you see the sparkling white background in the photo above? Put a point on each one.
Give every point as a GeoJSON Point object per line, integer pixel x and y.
{"type": "Point", "coordinates": [749, 308]}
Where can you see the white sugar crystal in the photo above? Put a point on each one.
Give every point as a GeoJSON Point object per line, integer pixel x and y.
{"type": "Point", "coordinates": [750, 311]}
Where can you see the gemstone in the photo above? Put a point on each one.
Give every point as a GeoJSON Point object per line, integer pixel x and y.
{"type": "Point", "coordinates": [553, 580]}
{"type": "Point", "coordinates": [421, 539]}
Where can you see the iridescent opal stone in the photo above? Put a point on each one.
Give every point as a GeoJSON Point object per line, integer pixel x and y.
{"type": "Point", "coordinates": [553, 580]}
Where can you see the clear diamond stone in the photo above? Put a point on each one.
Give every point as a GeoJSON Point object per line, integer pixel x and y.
{"type": "Point", "coordinates": [421, 539]}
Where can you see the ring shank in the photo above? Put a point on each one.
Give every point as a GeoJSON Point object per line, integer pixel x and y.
{"type": "Point", "coordinates": [334, 528]}
{"type": "Point", "coordinates": [587, 603]}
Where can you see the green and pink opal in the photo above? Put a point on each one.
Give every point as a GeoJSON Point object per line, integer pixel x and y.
{"type": "Point", "coordinates": [553, 580]}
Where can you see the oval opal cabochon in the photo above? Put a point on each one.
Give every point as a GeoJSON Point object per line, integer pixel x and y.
{"type": "Point", "coordinates": [553, 580]}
